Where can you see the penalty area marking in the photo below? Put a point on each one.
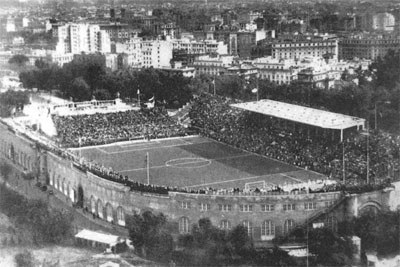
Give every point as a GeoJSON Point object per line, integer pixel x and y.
{"type": "Point", "coordinates": [297, 180]}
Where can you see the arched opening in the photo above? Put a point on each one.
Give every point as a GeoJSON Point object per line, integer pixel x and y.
{"type": "Point", "coordinates": [58, 183]}
{"type": "Point", "coordinates": [184, 225]}
{"type": "Point", "coordinates": [370, 207]}
{"type": "Point", "coordinates": [12, 153]}
{"type": "Point", "coordinates": [288, 226]}
{"type": "Point", "coordinates": [100, 208]}
{"type": "Point", "coordinates": [63, 187]}
{"type": "Point", "coordinates": [267, 230]}
{"type": "Point", "coordinates": [109, 212]}
{"type": "Point", "coordinates": [28, 163]}
{"type": "Point", "coordinates": [93, 204]}
{"type": "Point", "coordinates": [71, 192]}
{"type": "Point", "coordinates": [120, 216]}
{"type": "Point", "coordinates": [47, 178]}
{"type": "Point", "coordinates": [80, 197]}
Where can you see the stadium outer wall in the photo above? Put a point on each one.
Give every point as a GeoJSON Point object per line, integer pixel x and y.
{"type": "Point", "coordinates": [266, 216]}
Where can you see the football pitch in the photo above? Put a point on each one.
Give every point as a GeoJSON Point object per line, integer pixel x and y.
{"type": "Point", "coordinates": [194, 162]}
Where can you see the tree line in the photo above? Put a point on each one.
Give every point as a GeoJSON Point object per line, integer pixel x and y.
{"type": "Point", "coordinates": [208, 245]}
{"type": "Point", "coordinates": [87, 76]}
{"type": "Point", "coordinates": [204, 245]}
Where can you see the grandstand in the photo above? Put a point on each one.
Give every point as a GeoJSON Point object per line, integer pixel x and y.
{"type": "Point", "coordinates": [116, 140]}
{"type": "Point", "coordinates": [303, 115]}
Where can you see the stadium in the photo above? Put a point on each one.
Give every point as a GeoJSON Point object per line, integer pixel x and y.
{"type": "Point", "coordinates": [267, 165]}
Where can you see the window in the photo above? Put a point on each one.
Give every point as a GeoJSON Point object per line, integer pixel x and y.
{"type": "Point", "coordinates": [331, 223]}
{"type": "Point", "coordinates": [93, 204]}
{"type": "Point", "coordinates": [225, 224]}
{"type": "Point", "coordinates": [109, 211]}
{"type": "Point", "coordinates": [100, 208]}
{"type": "Point", "coordinates": [310, 206]}
{"type": "Point", "coordinates": [267, 228]}
{"type": "Point", "coordinates": [267, 207]}
{"type": "Point", "coordinates": [204, 206]}
{"type": "Point", "coordinates": [249, 226]}
{"type": "Point", "coordinates": [288, 226]}
{"type": "Point", "coordinates": [225, 207]}
{"type": "Point", "coordinates": [289, 207]}
{"type": "Point", "coordinates": [328, 203]}
{"type": "Point", "coordinates": [185, 205]}
{"type": "Point", "coordinates": [183, 225]}
{"type": "Point", "coordinates": [246, 208]}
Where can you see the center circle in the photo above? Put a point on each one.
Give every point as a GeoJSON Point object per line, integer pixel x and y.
{"type": "Point", "coordinates": [188, 162]}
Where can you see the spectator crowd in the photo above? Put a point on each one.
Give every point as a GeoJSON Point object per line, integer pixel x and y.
{"type": "Point", "coordinates": [213, 117]}
{"type": "Point", "coordinates": [100, 128]}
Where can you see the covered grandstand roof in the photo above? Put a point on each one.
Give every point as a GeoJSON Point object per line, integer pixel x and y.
{"type": "Point", "coordinates": [301, 114]}
{"type": "Point", "coordinates": [97, 237]}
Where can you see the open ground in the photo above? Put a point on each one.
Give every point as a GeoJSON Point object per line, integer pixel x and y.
{"type": "Point", "coordinates": [194, 162]}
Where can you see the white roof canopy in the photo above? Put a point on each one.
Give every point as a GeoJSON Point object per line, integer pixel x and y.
{"type": "Point", "coordinates": [97, 237]}
{"type": "Point", "coordinates": [305, 115]}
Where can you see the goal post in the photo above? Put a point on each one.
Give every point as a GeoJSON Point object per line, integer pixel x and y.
{"type": "Point", "coordinates": [254, 185]}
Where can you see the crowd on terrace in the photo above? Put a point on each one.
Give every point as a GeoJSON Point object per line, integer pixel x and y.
{"type": "Point", "coordinates": [103, 128]}
{"type": "Point", "coordinates": [215, 118]}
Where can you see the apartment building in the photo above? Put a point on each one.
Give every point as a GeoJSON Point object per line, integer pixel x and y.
{"type": "Point", "coordinates": [295, 49]}
{"type": "Point", "coordinates": [367, 46]}
{"type": "Point", "coordinates": [81, 37]}
{"type": "Point", "coordinates": [156, 53]}
{"type": "Point", "coordinates": [191, 46]}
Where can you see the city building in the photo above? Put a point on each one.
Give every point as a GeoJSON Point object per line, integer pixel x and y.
{"type": "Point", "coordinates": [212, 65]}
{"type": "Point", "coordinates": [367, 46]}
{"type": "Point", "coordinates": [81, 37]}
{"type": "Point", "coordinates": [383, 22]}
{"type": "Point", "coordinates": [315, 47]}
{"type": "Point", "coordinates": [191, 46]}
{"type": "Point", "coordinates": [156, 53]}
{"type": "Point", "coordinates": [279, 71]}
{"type": "Point", "coordinates": [119, 32]}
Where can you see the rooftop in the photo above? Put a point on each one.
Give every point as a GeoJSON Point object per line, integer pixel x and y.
{"type": "Point", "coordinates": [305, 115]}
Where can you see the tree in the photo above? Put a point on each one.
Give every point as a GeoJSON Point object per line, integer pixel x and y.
{"type": "Point", "coordinates": [274, 257]}
{"type": "Point", "coordinates": [11, 100]}
{"type": "Point", "coordinates": [41, 64]}
{"type": "Point", "coordinates": [240, 240]}
{"type": "Point", "coordinates": [5, 170]}
{"type": "Point", "coordinates": [378, 231]}
{"type": "Point", "coordinates": [24, 259]}
{"type": "Point", "coordinates": [329, 248]}
{"type": "Point", "coordinates": [19, 60]}
{"type": "Point", "coordinates": [149, 235]}
{"type": "Point", "coordinates": [80, 90]}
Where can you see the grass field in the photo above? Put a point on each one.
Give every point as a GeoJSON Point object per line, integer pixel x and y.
{"type": "Point", "coordinates": [194, 162]}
